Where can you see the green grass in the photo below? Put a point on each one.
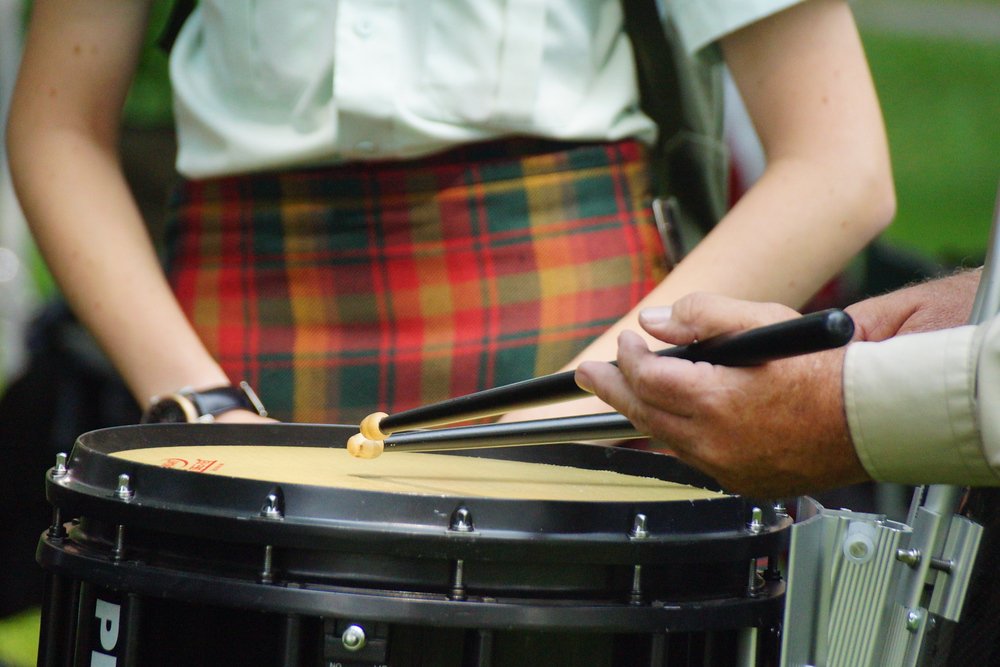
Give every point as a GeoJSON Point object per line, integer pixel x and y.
{"type": "Point", "coordinates": [19, 639]}
{"type": "Point", "coordinates": [941, 101]}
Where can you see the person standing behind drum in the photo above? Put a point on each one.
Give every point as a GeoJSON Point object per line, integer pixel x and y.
{"type": "Point", "coordinates": [385, 206]}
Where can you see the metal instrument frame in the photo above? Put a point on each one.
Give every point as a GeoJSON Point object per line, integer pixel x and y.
{"type": "Point", "coordinates": [902, 581]}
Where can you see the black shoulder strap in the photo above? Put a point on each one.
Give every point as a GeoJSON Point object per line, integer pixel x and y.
{"type": "Point", "coordinates": [656, 70]}
{"type": "Point", "coordinates": [178, 14]}
{"type": "Point", "coordinates": [683, 96]}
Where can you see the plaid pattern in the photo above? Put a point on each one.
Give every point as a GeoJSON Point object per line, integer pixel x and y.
{"type": "Point", "coordinates": [341, 291]}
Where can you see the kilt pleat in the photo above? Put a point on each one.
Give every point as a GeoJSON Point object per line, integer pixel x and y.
{"type": "Point", "coordinates": [382, 286]}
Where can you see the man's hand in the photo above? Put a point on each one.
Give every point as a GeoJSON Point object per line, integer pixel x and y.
{"type": "Point", "coordinates": [930, 306]}
{"type": "Point", "coordinates": [769, 431]}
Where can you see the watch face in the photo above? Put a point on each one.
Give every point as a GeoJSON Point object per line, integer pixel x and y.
{"type": "Point", "coordinates": [174, 408]}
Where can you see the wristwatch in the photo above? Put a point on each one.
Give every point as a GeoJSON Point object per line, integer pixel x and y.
{"type": "Point", "coordinates": [194, 407]}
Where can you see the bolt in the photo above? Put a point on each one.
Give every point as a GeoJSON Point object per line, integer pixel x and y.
{"type": "Point", "coordinates": [909, 557]}
{"type": "Point", "coordinates": [913, 619]}
{"type": "Point", "coordinates": [124, 490]}
{"type": "Point", "coordinates": [756, 521]}
{"type": "Point", "coordinates": [60, 470]}
{"type": "Point", "coordinates": [639, 531]}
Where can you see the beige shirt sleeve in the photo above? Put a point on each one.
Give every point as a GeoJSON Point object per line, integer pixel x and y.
{"type": "Point", "coordinates": [925, 408]}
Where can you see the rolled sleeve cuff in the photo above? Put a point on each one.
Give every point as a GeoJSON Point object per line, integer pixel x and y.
{"type": "Point", "coordinates": [910, 405]}
{"type": "Point", "coordinates": [702, 22]}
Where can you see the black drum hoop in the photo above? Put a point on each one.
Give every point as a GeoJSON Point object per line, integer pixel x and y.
{"type": "Point", "coordinates": [115, 541]}
{"type": "Point", "coordinates": [691, 531]}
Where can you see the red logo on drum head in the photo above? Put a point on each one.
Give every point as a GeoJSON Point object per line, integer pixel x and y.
{"type": "Point", "coordinates": [198, 465]}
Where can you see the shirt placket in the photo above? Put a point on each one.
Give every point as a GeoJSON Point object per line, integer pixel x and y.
{"type": "Point", "coordinates": [364, 77]}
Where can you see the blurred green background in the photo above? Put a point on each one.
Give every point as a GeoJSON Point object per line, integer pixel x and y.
{"type": "Point", "coordinates": [937, 71]}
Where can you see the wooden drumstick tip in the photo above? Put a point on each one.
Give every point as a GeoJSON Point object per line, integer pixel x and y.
{"type": "Point", "coordinates": [370, 426]}
{"type": "Point", "coordinates": [361, 447]}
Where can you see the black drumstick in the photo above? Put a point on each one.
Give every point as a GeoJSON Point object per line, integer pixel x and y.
{"type": "Point", "coordinates": [604, 426]}
{"type": "Point", "coordinates": [810, 333]}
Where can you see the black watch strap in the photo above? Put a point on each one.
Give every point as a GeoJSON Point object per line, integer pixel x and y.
{"type": "Point", "coordinates": [188, 405]}
{"type": "Point", "coordinates": [219, 400]}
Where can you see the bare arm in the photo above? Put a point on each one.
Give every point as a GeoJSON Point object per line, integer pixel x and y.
{"type": "Point", "coordinates": [63, 144]}
{"type": "Point", "coordinates": [827, 190]}
{"type": "Point", "coordinates": [929, 306]}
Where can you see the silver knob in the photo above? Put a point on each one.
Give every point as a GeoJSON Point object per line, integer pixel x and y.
{"type": "Point", "coordinates": [353, 638]}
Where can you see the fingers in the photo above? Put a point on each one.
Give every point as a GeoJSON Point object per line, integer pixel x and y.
{"type": "Point", "coordinates": [606, 382]}
{"type": "Point", "coordinates": [661, 383]}
{"type": "Point", "coordinates": [701, 315]}
{"type": "Point", "coordinates": [650, 390]}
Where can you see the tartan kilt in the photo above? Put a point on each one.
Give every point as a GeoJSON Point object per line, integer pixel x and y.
{"type": "Point", "coordinates": [340, 291]}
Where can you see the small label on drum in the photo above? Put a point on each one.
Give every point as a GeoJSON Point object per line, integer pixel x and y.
{"type": "Point", "coordinates": [108, 617]}
{"type": "Point", "coordinates": [194, 465]}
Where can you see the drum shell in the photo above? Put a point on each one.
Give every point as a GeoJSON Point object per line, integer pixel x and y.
{"type": "Point", "coordinates": [193, 542]}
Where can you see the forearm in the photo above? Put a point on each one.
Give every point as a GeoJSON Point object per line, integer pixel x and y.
{"type": "Point", "coordinates": [772, 246]}
{"type": "Point", "coordinates": [928, 306]}
{"type": "Point", "coordinates": [92, 237]}
{"type": "Point", "coordinates": [62, 144]}
{"type": "Point", "coordinates": [827, 189]}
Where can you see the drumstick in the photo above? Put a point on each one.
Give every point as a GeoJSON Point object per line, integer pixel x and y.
{"type": "Point", "coordinates": [604, 426]}
{"type": "Point", "coordinates": [810, 333]}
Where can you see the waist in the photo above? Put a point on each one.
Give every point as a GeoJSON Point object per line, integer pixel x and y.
{"type": "Point", "coordinates": [462, 166]}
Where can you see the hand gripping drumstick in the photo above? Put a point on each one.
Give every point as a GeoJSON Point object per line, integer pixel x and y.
{"type": "Point", "coordinates": [810, 333]}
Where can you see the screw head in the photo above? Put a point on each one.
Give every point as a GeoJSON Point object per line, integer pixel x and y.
{"type": "Point", "coordinates": [913, 619]}
{"type": "Point", "coordinates": [353, 638]}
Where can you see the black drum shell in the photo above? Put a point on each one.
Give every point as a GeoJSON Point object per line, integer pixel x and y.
{"type": "Point", "coordinates": [538, 566]}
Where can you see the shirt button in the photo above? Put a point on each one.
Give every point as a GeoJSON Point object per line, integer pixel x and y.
{"type": "Point", "coordinates": [363, 28]}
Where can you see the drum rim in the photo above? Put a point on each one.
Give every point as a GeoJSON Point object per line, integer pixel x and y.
{"type": "Point", "coordinates": [688, 530]}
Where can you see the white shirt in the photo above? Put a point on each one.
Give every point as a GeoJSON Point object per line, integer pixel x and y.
{"type": "Point", "coordinates": [277, 83]}
{"type": "Point", "coordinates": [925, 408]}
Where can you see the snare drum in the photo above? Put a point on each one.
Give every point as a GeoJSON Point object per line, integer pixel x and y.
{"type": "Point", "coordinates": [268, 545]}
